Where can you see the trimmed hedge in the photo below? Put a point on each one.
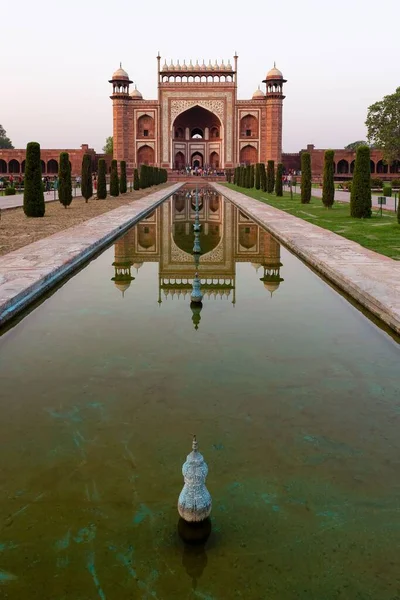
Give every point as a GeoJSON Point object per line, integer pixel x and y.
{"type": "Point", "coordinates": [64, 180]}
{"type": "Point", "coordinates": [263, 177]}
{"type": "Point", "coordinates": [387, 190]}
{"type": "Point", "coordinates": [278, 181]}
{"type": "Point", "coordinates": [10, 191]}
{"type": "Point", "coordinates": [114, 181]}
{"type": "Point", "coordinates": [33, 190]}
{"type": "Point", "coordinates": [257, 177]}
{"type": "Point", "coordinates": [305, 178]}
{"type": "Point", "coordinates": [360, 200]}
{"type": "Point", "coordinates": [86, 177]}
{"type": "Point", "coordinates": [328, 187]}
{"type": "Point", "coordinates": [101, 180]}
{"type": "Point", "coordinates": [123, 187]}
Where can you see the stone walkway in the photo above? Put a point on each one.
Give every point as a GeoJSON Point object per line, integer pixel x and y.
{"type": "Point", "coordinates": [371, 279]}
{"type": "Point", "coordinates": [345, 197]}
{"type": "Point", "coordinates": [28, 272]}
{"type": "Point", "coordinates": [18, 200]}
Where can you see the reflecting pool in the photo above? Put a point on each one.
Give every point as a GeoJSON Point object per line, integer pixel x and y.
{"type": "Point", "coordinates": [292, 392]}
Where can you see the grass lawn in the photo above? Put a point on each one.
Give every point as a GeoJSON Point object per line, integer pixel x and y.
{"type": "Point", "coordinates": [381, 234]}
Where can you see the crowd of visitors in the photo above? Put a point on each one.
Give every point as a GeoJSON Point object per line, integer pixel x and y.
{"type": "Point", "coordinates": [205, 171]}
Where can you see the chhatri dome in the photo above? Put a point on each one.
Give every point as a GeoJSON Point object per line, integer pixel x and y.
{"type": "Point", "coordinates": [120, 73]}
{"type": "Point", "coordinates": [258, 94]}
{"type": "Point", "coordinates": [274, 73]}
{"type": "Point", "coordinates": [135, 94]}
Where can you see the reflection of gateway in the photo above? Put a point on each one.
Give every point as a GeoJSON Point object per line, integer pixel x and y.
{"type": "Point", "coordinates": [227, 236]}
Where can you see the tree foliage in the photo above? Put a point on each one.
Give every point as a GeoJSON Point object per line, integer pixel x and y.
{"type": "Point", "coordinates": [328, 186]}
{"type": "Point", "coordinates": [64, 180]}
{"type": "Point", "coordinates": [252, 176]}
{"type": "Point", "coordinates": [263, 177]}
{"type": "Point", "coordinates": [270, 176]}
{"type": "Point", "coordinates": [123, 186]}
{"type": "Point", "coordinates": [101, 180]}
{"type": "Point", "coordinates": [109, 145]}
{"type": "Point", "coordinates": [86, 177]}
{"type": "Point", "coordinates": [360, 199]}
{"type": "Point", "coordinates": [383, 125]}
{"type": "Point", "coordinates": [33, 189]}
{"type": "Point", "coordinates": [257, 177]}
{"type": "Point", "coordinates": [355, 145]}
{"type": "Point", "coordinates": [305, 178]}
{"type": "Point", "coordinates": [114, 181]}
{"type": "Point", "coordinates": [5, 142]}
{"type": "Point", "coordinates": [279, 182]}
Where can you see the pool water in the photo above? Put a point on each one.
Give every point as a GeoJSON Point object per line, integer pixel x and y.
{"type": "Point", "coordinates": [292, 392]}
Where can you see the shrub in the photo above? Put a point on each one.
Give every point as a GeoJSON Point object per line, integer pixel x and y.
{"type": "Point", "coordinates": [101, 180]}
{"type": "Point", "coordinates": [376, 182]}
{"type": "Point", "coordinates": [143, 177]}
{"type": "Point", "coordinates": [305, 178]}
{"type": "Point", "coordinates": [263, 177]}
{"type": "Point", "coordinates": [270, 176]}
{"type": "Point", "coordinates": [64, 180]}
{"type": "Point", "coordinates": [387, 190]}
{"type": "Point", "coordinates": [114, 181]}
{"type": "Point", "coordinates": [278, 182]}
{"type": "Point", "coordinates": [257, 176]}
{"type": "Point", "coordinates": [33, 191]}
{"type": "Point", "coordinates": [136, 183]}
{"type": "Point", "coordinates": [252, 176]}
{"type": "Point", "coordinates": [9, 191]}
{"type": "Point", "coordinates": [360, 200]}
{"type": "Point", "coordinates": [396, 183]}
{"type": "Point", "coordinates": [86, 176]}
{"type": "Point", "coordinates": [122, 181]}
{"type": "Point", "coordinates": [229, 175]}
{"type": "Point", "coordinates": [328, 188]}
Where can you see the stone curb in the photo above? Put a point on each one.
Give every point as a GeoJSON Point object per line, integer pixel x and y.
{"type": "Point", "coordinates": [26, 273]}
{"type": "Point", "coordinates": [373, 280]}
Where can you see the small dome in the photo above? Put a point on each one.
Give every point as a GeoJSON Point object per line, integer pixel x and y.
{"type": "Point", "coordinates": [258, 94]}
{"type": "Point", "coordinates": [222, 66]}
{"type": "Point", "coordinates": [137, 265]}
{"type": "Point", "coordinates": [229, 66]}
{"type": "Point", "coordinates": [274, 73]}
{"type": "Point", "coordinates": [165, 67]}
{"type": "Point", "coordinates": [256, 266]}
{"type": "Point", "coordinates": [184, 66]}
{"type": "Point", "coordinates": [203, 66]}
{"type": "Point", "coordinates": [171, 66]}
{"type": "Point", "coordinates": [120, 74]}
{"type": "Point", "coordinates": [122, 285]}
{"type": "Point", "coordinates": [271, 286]}
{"type": "Point", "coordinates": [209, 66]}
{"type": "Point", "coordinates": [136, 94]}
{"type": "Point", "coordinates": [178, 66]}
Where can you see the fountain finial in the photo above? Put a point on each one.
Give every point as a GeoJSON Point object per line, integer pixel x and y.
{"type": "Point", "coordinates": [194, 504]}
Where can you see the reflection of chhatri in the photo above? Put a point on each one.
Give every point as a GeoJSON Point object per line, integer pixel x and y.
{"type": "Point", "coordinates": [194, 504]}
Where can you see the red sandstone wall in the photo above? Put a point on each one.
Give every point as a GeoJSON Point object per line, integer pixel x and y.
{"type": "Point", "coordinates": [75, 156]}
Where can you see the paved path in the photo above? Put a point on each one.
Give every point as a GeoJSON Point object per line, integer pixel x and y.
{"type": "Point", "coordinates": [18, 200]}
{"type": "Point", "coordinates": [28, 272]}
{"type": "Point", "coordinates": [345, 197]}
{"type": "Point", "coordinates": [368, 277]}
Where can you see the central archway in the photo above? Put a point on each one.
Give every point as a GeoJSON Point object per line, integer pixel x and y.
{"type": "Point", "coordinates": [197, 133]}
{"type": "Point", "coordinates": [197, 160]}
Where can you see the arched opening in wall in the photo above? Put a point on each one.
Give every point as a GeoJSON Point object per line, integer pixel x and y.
{"type": "Point", "coordinates": [214, 204]}
{"type": "Point", "coordinates": [214, 132]}
{"type": "Point", "coordinates": [197, 160]}
{"type": "Point", "coordinates": [381, 167]}
{"type": "Point", "coordinates": [145, 126]}
{"type": "Point", "coordinates": [249, 126]}
{"type": "Point", "coordinates": [248, 155]}
{"type": "Point", "coordinates": [214, 160]}
{"type": "Point", "coordinates": [23, 166]}
{"type": "Point", "coordinates": [334, 167]}
{"type": "Point", "coordinates": [145, 156]}
{"type": "Point", "coordinates": [248, 235]}
{"type": "Point", "coordinates": [179, 204]}
{"type": "Point", "coordinates": [179, 133]}
{"type": "Point", "coordinates": [13, 166]}
{"type": "Point", "coordinates": [52, 167]}
{"type": "Point", "coordinates": [179, 161]}
{"type": "Point", "coordinates": [3, 166]}
{"type": "Point", "coordinates": [343, 167]}
{"type": "Point", "coordinates": [352, 165]}
{"type": "Point", "coordinates": [43, 166]}
{"type": "Point", "coordinates": [395, 167]}
{"type": "Point", "coordinates": [197, 133]}
{"type": "Point", "coordinates": [146, 235]}
{"type": "Point", "coordinates": [372, 164]}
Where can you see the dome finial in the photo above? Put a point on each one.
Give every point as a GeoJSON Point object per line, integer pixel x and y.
{"type": "Point", "coordinates": [120, 64]}
{"type": "Point", "coordinates": [194, 443]}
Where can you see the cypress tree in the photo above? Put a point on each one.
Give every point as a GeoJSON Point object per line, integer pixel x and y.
{"type": "Point", "coordinates": [278, 182]}
{"type": "Point", "coordinates": [122, 181]}
{"type": "Point", "coordinates": [143, 177]}
{"type": "Point", "coordinates": [64, 180]}
{"type": "Point", "coordinates": [263, 177]}
{"type": "Point", "coordinates": [86, 177]}
{"type": "Point", "coordinates": [257, 176]}
{"type": "Point", "coordinates": [136, 183]}
{"type": "Point", "coordinates": [33, 189]}
{"type": "Point", "coordinates": [101, 180]}
{"type": "Point", "coordinates": [248, 176]}
{"type": "Point", "coordinates": [252, 176]}
{"type": "Point", "coordinates": [114, 182]}
{"type": "Point", "coordinates": [360, 198]}
{"type": "Point", "coordinates": [328, 187]}
{"type": "Point", "coordinates": [305, 178]}
{"type": "Point", "coordinates": [270, 176]}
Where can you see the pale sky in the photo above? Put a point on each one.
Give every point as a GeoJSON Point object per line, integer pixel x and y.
{"type": "Point", "coordinates": [57, 58]}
